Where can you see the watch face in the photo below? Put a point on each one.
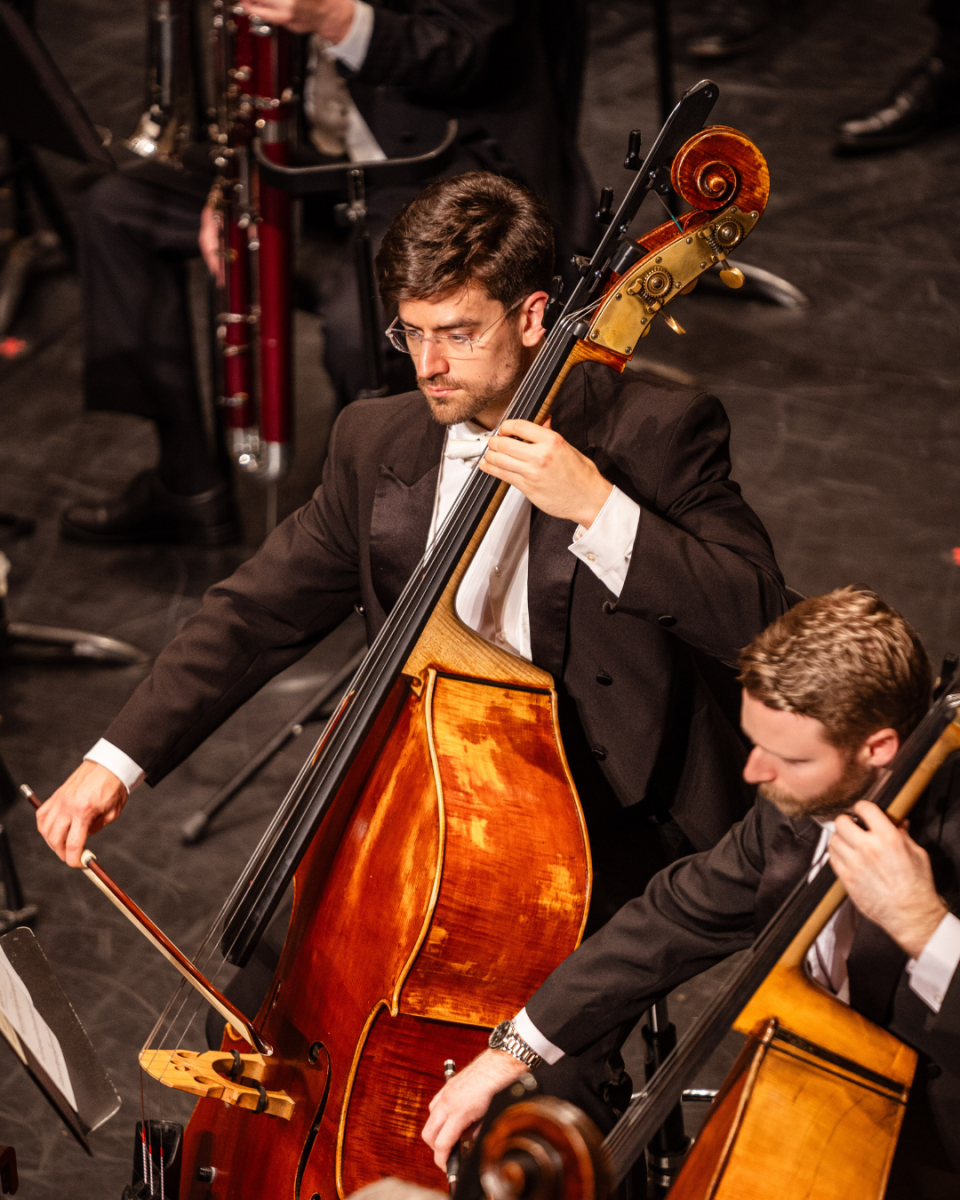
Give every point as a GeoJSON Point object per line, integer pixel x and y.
{"type": "Point", "coordinates": [499, 1034]}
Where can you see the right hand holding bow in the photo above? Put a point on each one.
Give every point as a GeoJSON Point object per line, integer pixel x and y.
{"type": "Point", "coordinates": [91, 798]}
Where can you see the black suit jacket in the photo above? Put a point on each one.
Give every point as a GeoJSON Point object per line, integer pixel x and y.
{"type": "Point", "coordinates": [507, 70]}
{"type": "Point", "coordinates": [702, 582]}
{"type": "Point", "coordinates": [705, 907]}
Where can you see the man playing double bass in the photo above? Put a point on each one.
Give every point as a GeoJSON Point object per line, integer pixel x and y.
{"type": "Point", "coordinates": [830, 691]}
{"type": "Point", "coordinates": [624, 560]}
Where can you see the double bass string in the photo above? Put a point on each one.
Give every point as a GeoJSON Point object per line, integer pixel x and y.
{"type": "Point", "coordinates": [557, 342]}
{"type": "Point", "coordinates": [528, 398]}
{"type": "Point", "coordinates": [478, 488]}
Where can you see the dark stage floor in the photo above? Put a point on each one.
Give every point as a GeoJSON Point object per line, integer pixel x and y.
{"type": "Point", "coordinates": [846, 439]}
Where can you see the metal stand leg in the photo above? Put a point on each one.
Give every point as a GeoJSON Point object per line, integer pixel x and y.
{"type": "Point", "coordinates": [14, 912]}
{"type": "Point", "coordinates": [665, 1154]}
{"type": "Point", "coordinates": [195, 828]}
{"type": "Point", "coordinates": [9, 1182]}
{"type": "Point", "coordinates": [23, 641]}
{"type": "Point", "coordinates": [354, 215]}
{"type": "Point", "coordinates": [663, 49]}
{"type": "Point", "coordinates": [31, 244]}
{"type": "Point", "coordinates": [9, 793]}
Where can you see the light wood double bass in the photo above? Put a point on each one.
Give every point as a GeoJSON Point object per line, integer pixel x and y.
{"type": "Point", "coordinates": [813, 1106]}
{"type": "Point", "coordinates": [434, 838]}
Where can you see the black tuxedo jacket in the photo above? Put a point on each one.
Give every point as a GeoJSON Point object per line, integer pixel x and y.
{"type": "Point", "coordinates": [706, 907]}
{"type": "Point", "coordinates": [644, 672]}
{"type": "Point", "coordinates": [507, 70]}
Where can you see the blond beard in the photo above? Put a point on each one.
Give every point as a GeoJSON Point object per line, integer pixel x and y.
{"type": "Point", "coordinates": [852, 785]}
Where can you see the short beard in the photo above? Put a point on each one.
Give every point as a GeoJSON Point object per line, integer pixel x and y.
{"type": "Point", "coordinates": [474, 400]}
{"type": "Point", "coordinates": [477, 397]}
{"type": "Point", "coordinates": [854, 784]}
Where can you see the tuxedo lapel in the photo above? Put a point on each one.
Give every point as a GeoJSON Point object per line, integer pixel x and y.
{"type": "Point", "coordinates": [549, 580]}
{"type": "Point", "coordinates": [403, 505]}
{"type": "Point", "coordinates": [874, 965]}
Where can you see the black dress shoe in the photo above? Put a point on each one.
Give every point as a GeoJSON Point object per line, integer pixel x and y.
{"type": "Point", "coordinates": [148, 512]}
{"type": "Point", "coordinates": [928, 99]}
{"type": "Point", "coordinates": [732, 27]}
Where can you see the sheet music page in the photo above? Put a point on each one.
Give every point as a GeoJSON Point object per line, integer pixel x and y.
{"type": "Point", "coordinates": [17, 1006]}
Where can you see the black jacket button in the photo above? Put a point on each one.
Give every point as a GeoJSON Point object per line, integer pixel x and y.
{"type": "Point", "coordinates": [604, 678]}
{"type": "Point", "coordinates": [609, 607]}
{"type": "Point", "coordinates": [934, 1070]}
{"type": "Point", "coordinates": [600, 752]}
{"type": "Point", "coordinates": [667, 622]}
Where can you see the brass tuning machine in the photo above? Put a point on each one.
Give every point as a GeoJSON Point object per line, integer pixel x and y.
{"type": "Point", "coordinates": [720, 238]}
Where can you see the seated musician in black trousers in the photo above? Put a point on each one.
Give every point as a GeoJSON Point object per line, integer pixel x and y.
{"type": "Point", "coordinates": [382, 80]}
{"type": "Point", "coordinates": [830, 691]}
{"type": "Point", "coordinates": [623, 560]}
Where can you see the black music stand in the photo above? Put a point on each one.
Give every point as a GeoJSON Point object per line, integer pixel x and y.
{"type": "Point", "coordinates": [758, 281]}
{"type": "Point", "coordinates": [37, 109]}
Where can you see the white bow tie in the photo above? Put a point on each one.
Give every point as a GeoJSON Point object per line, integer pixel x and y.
{"type": "Point", "coordinates": [466, 448]}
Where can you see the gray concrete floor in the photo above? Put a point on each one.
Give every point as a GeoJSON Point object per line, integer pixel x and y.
{"type": "Point", "coordinates": [846, 430]}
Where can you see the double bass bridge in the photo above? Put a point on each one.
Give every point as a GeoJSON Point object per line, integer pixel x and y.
{"type": "Point", "coordinates": [223, 1075]}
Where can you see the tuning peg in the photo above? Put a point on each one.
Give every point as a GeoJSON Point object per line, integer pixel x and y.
{"type": "Point", "coordinates": [732, 276]}
{"type": "Point", "coordinates": [674, 324]}
{"type": "Point", "coordinates": [604, 213]}
{"type": "Point", "coordinates": [551, 309]}
{"type": "Point", "coordinates": [633, 162]}
{"type": "Point", "coordinates": [690, 286]}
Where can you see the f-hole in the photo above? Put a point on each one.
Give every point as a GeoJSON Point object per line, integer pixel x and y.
{"type": "Point", "coordinates": [312, 1135]}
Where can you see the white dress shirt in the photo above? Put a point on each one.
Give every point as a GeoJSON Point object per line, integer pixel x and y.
{"type": "Point", "coordinates": [336, 126]}
{"type": "Point", "coordinates": [492, 599]}
{"type": "Point", "coordinates": [826, 962]}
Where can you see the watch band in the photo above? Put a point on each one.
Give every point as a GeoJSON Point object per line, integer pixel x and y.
{"type": "Point", "coordinates": [505, 1037]}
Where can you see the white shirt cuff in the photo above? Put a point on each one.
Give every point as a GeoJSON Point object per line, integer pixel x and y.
{"type": "Point", "coordinates": [352, 48]}
{"type": "Point", "coordinates": [931, 973]}
{"type": "Point", "coordinates": [535, 1039]}
{"type": "Point", "coordinates": [606, 547]}
{"type": "Point", "coordinates": [122, 765]}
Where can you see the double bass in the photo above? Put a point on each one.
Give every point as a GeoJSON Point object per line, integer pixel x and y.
{"type": "Point", "coordinates": [813, 1106]}
{"type": "Point", "coordinates": [434, 841]}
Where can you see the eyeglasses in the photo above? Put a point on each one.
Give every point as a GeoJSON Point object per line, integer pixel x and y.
{"type": "Point", "coordinates": [450, 345]}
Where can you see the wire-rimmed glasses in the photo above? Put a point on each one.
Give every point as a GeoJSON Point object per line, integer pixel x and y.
{"type": "Point", "coordinates": [410, 341]}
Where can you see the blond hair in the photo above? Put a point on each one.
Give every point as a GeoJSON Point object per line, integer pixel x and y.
{"type": "Point", "coordinates": [846, 659]}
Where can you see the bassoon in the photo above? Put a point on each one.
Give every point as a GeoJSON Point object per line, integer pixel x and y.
{"type": "Point", "coordinates": [253, 86]}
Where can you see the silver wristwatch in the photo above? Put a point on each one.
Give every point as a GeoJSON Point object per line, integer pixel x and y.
{"type": "Point", "coordinates": [505, 1037]}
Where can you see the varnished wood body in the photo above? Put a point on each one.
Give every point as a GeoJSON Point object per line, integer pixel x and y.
{"type": "Point", "coordinates": [790, 1123]}
{"type": "Point", "coordinates": [450, 878]}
